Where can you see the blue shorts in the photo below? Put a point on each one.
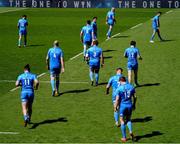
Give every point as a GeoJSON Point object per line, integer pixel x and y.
{"type": "Point", "coordinates": [27, 96]}
{"type": "Point", "coordinates": [111, 23]}
{"type": "Point", "coordinates": [55, 71]}
{"type": "Point", "coordinates": [131, 66]}
{"type": "Point", "coordinates": [22, 32]}
{"type": "Point", "coordinates": [125, 110]}
{"type": "Point", "coordinates": [94, 68]}
{"type": "Point", "coordinates": [88, 43]}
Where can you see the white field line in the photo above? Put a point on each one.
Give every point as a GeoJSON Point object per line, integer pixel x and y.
{"type": "Point", "coordinates": [76, 56]}
{"type": "Point", "coordinates": [19, 87]}
{"type": "Point", "coordinates": [136, 26]}
{"type": "Point", "coordinates": [13, 10]}
{"type": "Point", "coordinates": [9, 133]}
{"type": "Point", "coordinates": [116, 35]}
{"type": "Point", "coordinates": [169, 11]}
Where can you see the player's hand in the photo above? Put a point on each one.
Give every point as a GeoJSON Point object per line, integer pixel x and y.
{"type": "Point", "coordinates": [102, 65]}
{"type": "Point", "coordinates": [106, 22]}
{"type": "Point", "coordinates": [140, 58]}
{"type": "Point", "coordinates": [62, 70]}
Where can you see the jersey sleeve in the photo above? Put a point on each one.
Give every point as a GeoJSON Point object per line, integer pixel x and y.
{"type": "Point", "coordinates": [110, 81]}
{"type": "Point", "coordinates": [48, 54]}
{"type": "Point", "coordinates": [19, 78]}
{"type": "Point", "coordinates": [125, 53]}
{"type": "Point", "coordinates": [62, 54]}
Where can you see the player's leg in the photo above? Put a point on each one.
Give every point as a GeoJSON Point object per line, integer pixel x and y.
{"type": "Point", "coordinates": [25, 112]}
{"type": "Point", "coordinates": [136, 75]}
{"type": "Point", "coordinates": [25, 39]}
{"type": "Point", "coordinates": [52, 77]}
{"type": "Point", "coordinates": [84, 51]}
{"type": "Point", "coordinates": [91, 74]}
{"type": "Point", "coordinates": [129, 123]}
{"type": "Point", "coordinates": [97, 75]}
{"type": "Point", "coordinates": [122, 121]}
{"type": "Point", "coordinates": [116, 115]}
{"type": "Point", "coordinates": [30, 102]}
{"type": "Point", "coordinates": [19, 40]}
{"type": "Point", "coordinates": [130, 76]}
{"type": "Point", "coordinates": [158, 32]}
{"type": "Point", "coordinates": [57, 85]}
{"type": "Point", "coordinates": [109, 31]}
{"type": "Point", "coordinates": [153, 35]}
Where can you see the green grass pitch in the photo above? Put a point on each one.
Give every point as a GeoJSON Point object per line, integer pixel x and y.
{"type": "Point", "coordinates": [84, 113]}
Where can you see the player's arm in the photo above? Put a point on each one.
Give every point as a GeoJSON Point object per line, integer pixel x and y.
{"type": "Point", "coordinates": [47, 61]}
{"type": "Point", "coordinates": [36, 84]}
{"type": "Point", "coordinates": [18, 83]}
{"type": "Point", "coordinates": [18, 25]}
{"type": "Point", "coordinates": [102, 59]}
{"type": "Point", "coordinates": [81, 36]}
{"type": "Point", "coordinates": [139, 56]}
{"type": "Point", "coordinates": [134, 101]}
{"type": "Point", "coordinates": [125, 54]}
{"type": "Point", "coordinates": [62, 64]}
{"type": "Point", "coordinates": [107, 19]}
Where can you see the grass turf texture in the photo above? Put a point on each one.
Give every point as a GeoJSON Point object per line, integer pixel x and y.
{"type": "Point", "coordinates": [83, 113]}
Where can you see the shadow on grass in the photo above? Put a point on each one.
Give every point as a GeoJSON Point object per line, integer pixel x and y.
{"type": "Point", "coordinates": [74, 91]}
{"type": "Point", "coordinates": [109, 50]}
{"type": "Point", "coordinates": [145, 119]}
{"type": "Point", "coordinates": [166, 40]}
{"type": "Point", "coordinates": [149, 135]}
{"type": "Point", "coordinates": [62, 119]}
{"type": "Point", "coordinates": [36, 45]}
{"type": "Point", "coordinates": [149, 84]}
{"type": "Point", "coordinates": [125, 36]}
{"type": "Point", "coordinates": [103, 83]}
{"type": "Point", "coordinates": [107, 57]}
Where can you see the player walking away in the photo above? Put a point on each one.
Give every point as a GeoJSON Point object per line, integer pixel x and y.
{"type": "Point", "coordinates": [110, 20]}
{"type": "Point", "coordinates": [94, 26]}
{"type": "Point", "coordinates": [114, 83]}
{"type": "Point", "coordinates": [156, 27]}
{"type": "Point", "coordinates": [55, 63]}
{"type": "Point", "coordinates": [28, 83]}
{"type": "Point", "coordinates": [132, 53]}
{"type": "Point", "coordinates": [86, 36]}
{"type": "Point", "coordinates": [126, 100]}
{"type": "Point", "coordinates": [95, 58]}
{"type": "Point", "coordinates": [22, 27]}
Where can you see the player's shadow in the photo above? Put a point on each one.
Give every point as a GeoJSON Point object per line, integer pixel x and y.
{"type": "Point", "coordinates": [108, 57]}
{"type": "Point", "coordinates": [149, 135]}
{"type": "Point", "coordinates": [50, 121]}
{"type": "Point", "coordinates": [36, 45]}
{"type": "Point", "coordinates": [121, 36]}
{"type": "Point", "coordinates": [148, 84]}
{"type": "Point", "coordinates": [109, 50]}
{"type": "Point", "coordinates": [168, 40]}
{"type": "Point", "coordinates": [74, 91]}
{"type": "Point", "coordinates": [103, 83]}
{"type": "Point", "coordinates": [142, 120]}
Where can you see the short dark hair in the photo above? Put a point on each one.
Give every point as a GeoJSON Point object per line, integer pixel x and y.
{"type": "Point", "coordinates": [24, 16]}
{"type": "Point", "coordinates": [95, 42]}
{"type": "Point", "coordinates": [95, 17]}
{"type": "Point", "coordinates": [133, 43]}
{"type": "Point", "coordinates": [119, 69]}
{"type": "Point", "coordinates": [122, 79]}
{"type": "Point", "coordinates": [88, 22]}
{"type": "Point", "coordinates": [159, 12]}
{"type": "Point", "coordinates": [27, 67]}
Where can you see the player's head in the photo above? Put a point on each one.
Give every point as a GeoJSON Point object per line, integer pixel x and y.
{"type": "Point", "coordinates": [27, 67]}
{"type": "Point", "coordinates": [94, 19]}
{"type": "Point", "coordinates": [119, 70]}
{"type": "Point", "coordinates": [56, 43]}
{"type": "Point", "coordinates": [113, 9]}
{"type": "Point", "coordinates": [24, 16]}
{"type": "Point", "coordinates": [133, 43]}
{"type": "Point", "coordinates": [122, 80]}
{"type": "Point", "coordinates": [88, 22]}
{"type": "Point", "coordinates": [95, 42]}
{"type": "Point", "coordinates": [159, 13]}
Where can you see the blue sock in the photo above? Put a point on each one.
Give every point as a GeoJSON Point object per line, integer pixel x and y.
{"type": "Point", "coordinates": [116, 116]}
{"type": "Point", "coordinates": [152, 37]}
{"type": "Point", "coordinates": [53, 85]}
{"type": "Point", "coordinates": [123, 130]}
{"type": "Point", "coordinates": [96, 77]}
{"type": "Point", "coordinates": [19, 42]}
{"type": "Point", "coordinates": [57, 85]}
{"type": "Point", "coordinates": [26, 117]}
{"type": "Point", "coordinates": [129, 124]}
{"type": "Point", "coordinates": [91, 75]}
{"type": "Point", "coordinates": [84, 51]}
{"type": "Point", "coordinates": [109, 33]}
